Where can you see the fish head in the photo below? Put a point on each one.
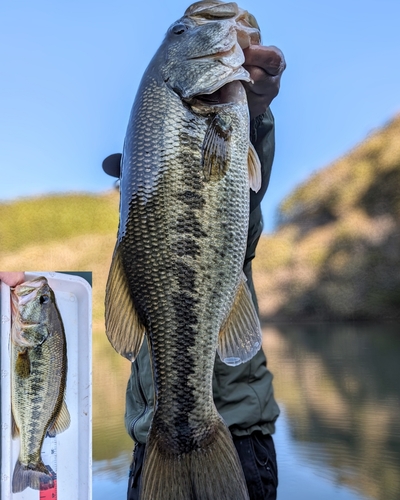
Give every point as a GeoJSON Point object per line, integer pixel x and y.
{"type": "Point", "coordinates": [32, 304]}
{"type": "Point", "coordinates": [203, 51]}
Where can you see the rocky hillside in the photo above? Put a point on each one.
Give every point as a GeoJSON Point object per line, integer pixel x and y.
{"type": "Point", "coordinates": [336, 252]}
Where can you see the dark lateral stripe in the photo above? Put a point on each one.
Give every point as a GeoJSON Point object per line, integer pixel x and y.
{"type": "Point", "coordinates": [192, 198]}
{"type": "Point", "coordinates": [188, 247]}
{"type": "Point", "coordinates": [189, 230]}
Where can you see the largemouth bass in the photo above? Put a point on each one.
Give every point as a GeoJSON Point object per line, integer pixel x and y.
{"type": "Point", "coordinates": [39, 370]}
{"type": "Point", "coordinates": [176, 273]}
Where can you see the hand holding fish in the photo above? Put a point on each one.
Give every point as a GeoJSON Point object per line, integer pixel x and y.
{"type": "Point", "coordinates": [12, 278]}
{"type": "Point", "coordinates": [265, 65]}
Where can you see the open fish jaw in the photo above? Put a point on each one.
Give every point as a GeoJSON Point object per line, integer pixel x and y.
{"type": "Point", "coordinates": [247, 28]}
{"type": "Point", "coordinates": [201, 54]}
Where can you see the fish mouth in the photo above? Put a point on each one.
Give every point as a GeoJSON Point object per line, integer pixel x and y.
{"type": "Point", "coordinates": [217, 55]}
{"type": "Point", "coordinates": [26, 291]}
{"type": "Point", "coordinates": [28, 325]}
{"type": "Point", "coordinates": [226, 94]}
{"type": "Point", "coordinates": [247, 28]}
{"type": "Point", "coordinates": [212, 9]}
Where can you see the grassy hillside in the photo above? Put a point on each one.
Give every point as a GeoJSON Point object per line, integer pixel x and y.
{"type": "Point", "coordinates": [336, 253]}
{"type": "Point", "coordinates": [55, 218]}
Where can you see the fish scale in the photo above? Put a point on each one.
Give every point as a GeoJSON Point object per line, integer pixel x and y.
{"type": "Point", "coordinates": [177, 272]}
{"type": "Point", "coordinates": [33, 402]}
{"type": "Point", "coordinates": [167, 206]}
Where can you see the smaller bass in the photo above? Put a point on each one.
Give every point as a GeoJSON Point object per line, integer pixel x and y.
{"type": "Point", "coordinates": [39, 372]}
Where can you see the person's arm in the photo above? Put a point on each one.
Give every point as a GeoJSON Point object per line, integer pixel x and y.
{"type": "Point", "coordinates": [12, 278]}
{"type": "Point", "coordinates": [265, 66]}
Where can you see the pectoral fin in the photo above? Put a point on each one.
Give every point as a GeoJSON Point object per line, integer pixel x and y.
{"type": "Point", "coordinates": [23, 364]}
{"type": "Point", "coordinates": [124, 329]}
{"type": "Point", "coordinates": [254, 167]}
{"type": "Point", "coordinates": [240, 337]}
{"type": "Point", "coordinates": [61, 422]}
{"type": "Point", "coordinates": [216, 148]}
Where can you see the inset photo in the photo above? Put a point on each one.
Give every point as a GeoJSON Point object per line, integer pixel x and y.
{"type": "Point", "coordinates": [46, 385]}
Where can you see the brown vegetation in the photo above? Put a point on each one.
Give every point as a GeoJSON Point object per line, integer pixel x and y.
{"type": "Point", "coordinates": [336, 253]}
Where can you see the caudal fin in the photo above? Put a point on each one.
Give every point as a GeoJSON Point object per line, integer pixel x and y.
{"type": "Point", "coordinates": [213, 473]}
{"type": "Point", "coordinates": [25, 476]}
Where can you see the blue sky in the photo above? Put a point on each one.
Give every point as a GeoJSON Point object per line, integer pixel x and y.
{"type": "Point", "coordinates": [70, 70]}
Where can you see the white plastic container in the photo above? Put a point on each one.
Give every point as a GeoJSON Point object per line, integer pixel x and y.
{"type": "Point", "coordinates": [74, 445]}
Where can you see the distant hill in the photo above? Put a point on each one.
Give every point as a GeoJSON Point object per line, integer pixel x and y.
{"type": "Point", "coordinates": [336, 252]}
{"type": "Point", "coordinates": [45, 219]}
{"type": "Point", "coordinates": [334, 256]}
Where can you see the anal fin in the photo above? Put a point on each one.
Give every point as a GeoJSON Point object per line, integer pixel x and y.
{"type": "Point", "coordinates": [240, 337]}
{"type": "Point", "coordinates": [61, 422]}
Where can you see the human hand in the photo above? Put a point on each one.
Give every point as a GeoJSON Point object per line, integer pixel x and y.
{"type": "Point", "coordinates": [265, 65]}
{"type": "Point", "coordinates": [12, 278]}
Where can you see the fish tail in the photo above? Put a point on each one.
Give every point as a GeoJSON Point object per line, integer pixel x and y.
{"type": "Point", "coordinates": [34, 477]}
{"type": "Point", "coordinates": [212, 473]}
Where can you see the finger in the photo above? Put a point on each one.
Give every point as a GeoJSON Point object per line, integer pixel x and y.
{"type": "Point", "coordinates": [262, 82]}
{"type": "Point", "coordinates": [12, 278]}
{"type": "Point", "coordinates": [258, 104]}
{"type": "Point", "coordinates": [270, 59]}
{"type": "Point", "coordinates": [261, 93]}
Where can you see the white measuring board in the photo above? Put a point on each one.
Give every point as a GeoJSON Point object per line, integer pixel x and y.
{"type": "Point", "coordinates": [69, 454]}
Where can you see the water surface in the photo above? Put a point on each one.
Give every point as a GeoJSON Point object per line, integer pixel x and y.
{"type": "Point", "coordinates": [338, 435]}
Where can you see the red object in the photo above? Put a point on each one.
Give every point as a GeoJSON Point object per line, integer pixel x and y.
{"type": "Point", "coordinates": [49, 494]}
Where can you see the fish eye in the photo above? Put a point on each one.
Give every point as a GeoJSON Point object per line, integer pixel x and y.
{"type": "Point", "coordinates": [179, 28]}
{"type": "Point", "coordinates": [44, 299]}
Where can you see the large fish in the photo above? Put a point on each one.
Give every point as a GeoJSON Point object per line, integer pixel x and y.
{"type": "Point", "coordinates": [176, 273]}
{"type": "Point", "coordinates": [39, 370]}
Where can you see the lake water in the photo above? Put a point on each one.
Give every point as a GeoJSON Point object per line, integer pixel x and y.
{"type": "Point", "coordinates": [338, 435]}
